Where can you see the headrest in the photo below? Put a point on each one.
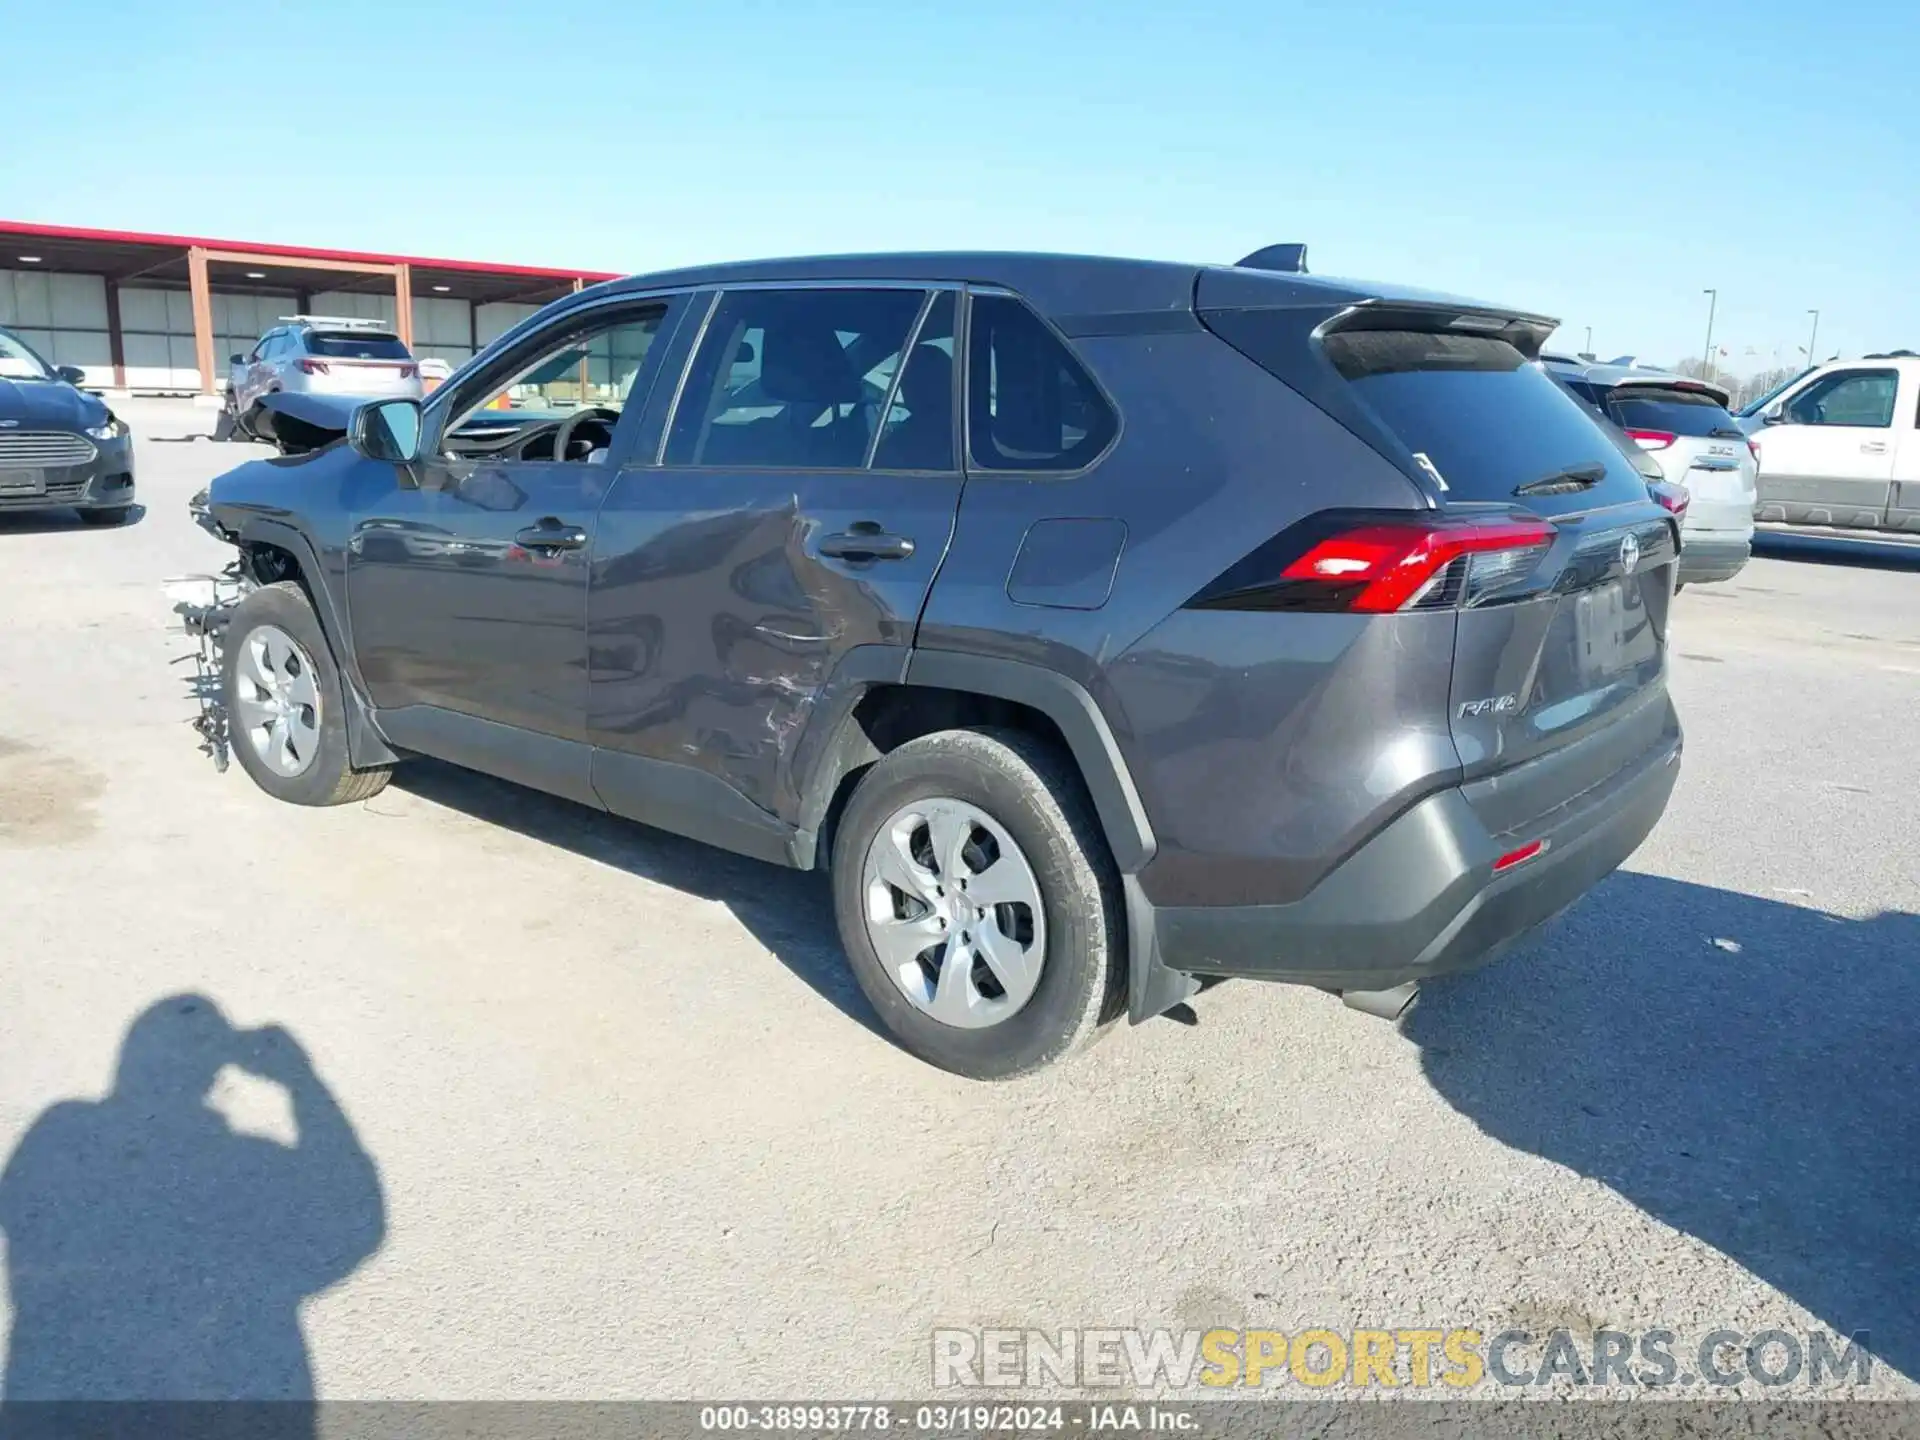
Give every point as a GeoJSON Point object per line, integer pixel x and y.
{"type": "Point", "coordinates": [806, 364]}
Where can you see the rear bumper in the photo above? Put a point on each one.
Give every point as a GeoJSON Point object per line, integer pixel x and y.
{"type": "Point", "coordinates": [1707, 557]}
{"type": "Point", "coordinates": [1422, 898]}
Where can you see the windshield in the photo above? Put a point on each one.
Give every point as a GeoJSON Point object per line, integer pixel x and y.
{"type": "Point", "coordinates": [1677, 412]}
{"type": "Point", "coordinates": [1483, 421]}
{"type": "Point", "coordinates": [18, 362]}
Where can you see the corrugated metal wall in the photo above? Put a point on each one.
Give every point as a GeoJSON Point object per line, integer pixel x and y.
{"type": "Point", "coordinates": [64, 317]}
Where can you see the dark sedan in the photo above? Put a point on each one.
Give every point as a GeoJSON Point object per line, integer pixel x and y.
{"type": "Point", "coordinates": [59, 447]}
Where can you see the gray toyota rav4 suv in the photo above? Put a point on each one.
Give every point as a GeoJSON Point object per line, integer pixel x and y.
{"type": "Point", "coordinates": [1101, 627]}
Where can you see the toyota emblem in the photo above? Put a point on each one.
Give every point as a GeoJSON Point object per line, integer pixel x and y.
{"type": "Point", "coordinates": [1629, 555]}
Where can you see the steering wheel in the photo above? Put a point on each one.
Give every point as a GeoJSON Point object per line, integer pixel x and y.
{"type": "Point", "coordinates": [564, 435]}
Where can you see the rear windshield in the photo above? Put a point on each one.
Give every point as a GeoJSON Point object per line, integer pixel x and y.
{"type": "Point", "coordinates": [1676, 412]}
{"type": "Point", "coordinates": [1489, 423]}
{"type": "Point", "coordinates": [355, 345]}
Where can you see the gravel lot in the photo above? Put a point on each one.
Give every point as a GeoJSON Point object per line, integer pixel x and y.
{"type": "Point", "coordinates": [635, 1135]}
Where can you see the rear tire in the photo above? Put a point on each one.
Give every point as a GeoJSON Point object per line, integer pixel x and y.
{"type": "Point", "coordinates": [1011, 783]}
{"type": "Point", "coordinates": [286, 715]}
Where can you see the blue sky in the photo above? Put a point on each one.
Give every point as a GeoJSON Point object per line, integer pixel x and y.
{"type": "Point", "coordinates": [1602, 163]}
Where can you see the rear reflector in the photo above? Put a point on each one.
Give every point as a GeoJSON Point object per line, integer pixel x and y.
{"type": "Point", "coordinates": [1521, 856]}
{"type": "Point", "coordinates": [1672, 498]}
{"type": "Point", "coordinates": [1653, 439]}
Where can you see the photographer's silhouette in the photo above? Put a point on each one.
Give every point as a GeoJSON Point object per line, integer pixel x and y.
{"type": "Point", "coordinates": [153, 1253]}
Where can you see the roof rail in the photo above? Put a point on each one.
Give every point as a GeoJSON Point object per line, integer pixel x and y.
{"type": "Point", "coordinates": [1290, 258]}
{"type": "Point", "coordinates": [1893, 355]}
{"type": "Point", "coordinates": [337, 322]}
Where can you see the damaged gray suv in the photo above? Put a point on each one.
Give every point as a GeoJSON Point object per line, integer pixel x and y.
{"type": "Point", "coordinates": [1101, 627]}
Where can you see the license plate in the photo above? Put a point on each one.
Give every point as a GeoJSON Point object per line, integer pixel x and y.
{"type": "Point", "coordinates": [23, 482]}
{"type": "Point", "coordinates": [1600, 628]}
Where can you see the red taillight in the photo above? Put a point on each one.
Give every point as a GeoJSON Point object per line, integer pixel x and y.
{"type": "Point", "coordinates": [309, 366]}
{"type": "Point", "coordinates": [1671, 497]}
{"type": "Point", "coordinates": [1753, 448]}
{"type": "Point", "coordinates": [1521, 856]}
{"type": "Point", "coordinates": [1653, 439]}
{"type": "Point", "coordinates": [1387, 567]}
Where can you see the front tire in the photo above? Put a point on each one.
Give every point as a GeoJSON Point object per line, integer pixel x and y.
{"type": "Point", "coordinates": [286, 715]}
{"type": "Point", "coordinates": [978, 903]}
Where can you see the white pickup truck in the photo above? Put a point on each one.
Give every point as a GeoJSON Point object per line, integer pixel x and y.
{"type": "Point", "coordinates": [1840, 446]}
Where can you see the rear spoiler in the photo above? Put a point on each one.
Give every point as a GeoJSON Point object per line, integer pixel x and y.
{"type": "Point", "coordinates": [1672, 382]}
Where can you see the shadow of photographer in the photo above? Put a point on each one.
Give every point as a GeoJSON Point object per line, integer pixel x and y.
{"type": "Point", "coordinates": [156, 1253]}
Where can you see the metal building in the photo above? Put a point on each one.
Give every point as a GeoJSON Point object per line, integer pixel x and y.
{"type": "Point", "coordinates": [162, 313]}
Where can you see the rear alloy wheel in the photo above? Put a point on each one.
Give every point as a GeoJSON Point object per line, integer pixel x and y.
{"type": "Point", "coordinates": [954, 912]}
{"type": "Point", "coordinates": [978, 903]}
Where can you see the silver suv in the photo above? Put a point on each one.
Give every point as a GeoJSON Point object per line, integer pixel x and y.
{"type": "Point", "coordinates": [325, 355]}
{"type": "Point", "coordinates": [1683, 426]}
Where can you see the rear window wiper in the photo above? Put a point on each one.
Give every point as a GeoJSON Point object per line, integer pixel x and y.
{"type": "Point", "coordinates": [1565, 482]}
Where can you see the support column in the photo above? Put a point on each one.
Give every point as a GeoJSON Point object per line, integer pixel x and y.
{"type": "Point", "coordinates": [202, 295]}
{"type": "Point", "coordinates": [116, 343]}
{"type": "Point", "coordinates": [403, 303]}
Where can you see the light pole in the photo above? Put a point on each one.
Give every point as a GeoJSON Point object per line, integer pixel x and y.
{"type": "Point", "coordinates": [1810, 336]}
{"type": "Point", "coordinates": [1589, 349]}
{"type": "Point", "coordinates": [1713, 302]}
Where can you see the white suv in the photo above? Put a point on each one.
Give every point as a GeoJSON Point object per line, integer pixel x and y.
{"type": "Point", "coordinates": [1840, 445]}
{"type": "Point", "coordinates": [1682, 425]}
{"type": "Point", "coordinates": [324, 355]}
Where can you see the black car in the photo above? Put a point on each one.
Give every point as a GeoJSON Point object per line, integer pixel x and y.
{"type": "Point", "coordinates": [1100, 626]}
{"type": "Point", "coordinates": [60, 448]}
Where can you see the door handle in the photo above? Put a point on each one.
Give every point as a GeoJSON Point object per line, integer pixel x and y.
{"type": "Point", "coordinates": [552, 535]}
{"type": "Point", "coordinates": [1873, 447]}
{"type": "Point", "coordinates": [866, 541]}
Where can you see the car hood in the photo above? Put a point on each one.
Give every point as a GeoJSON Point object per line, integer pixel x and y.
{"type": "Point", "coordinates": [49, 402]}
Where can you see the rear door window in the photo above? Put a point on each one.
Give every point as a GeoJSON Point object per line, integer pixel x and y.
{"type": "Point", "coordinates": [1674, 412]}
{"type": "Point", "coordinates": [792, 379]}
{"type": "Point", "coordinates": [1483, 421]}
{"type": "Point", "coordinates": [917, 433]}
{"type": "Point", "coordinates": [1031, 405]}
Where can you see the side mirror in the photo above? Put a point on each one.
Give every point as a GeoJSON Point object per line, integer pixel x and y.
{"type": "Point", "coordinates": [1773, 414]}
{"type": "Point", "coordinates": [236, 359]}
{"type": "Point", "coordinates": [387, 430]}
{"type": "Point", "coordinates": [72, 374]}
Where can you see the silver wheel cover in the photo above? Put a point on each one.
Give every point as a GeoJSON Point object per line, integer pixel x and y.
{"type": "Point", "coordinates": [954, 912]}
{"type": "Point", "coordinates": [277, 700]}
